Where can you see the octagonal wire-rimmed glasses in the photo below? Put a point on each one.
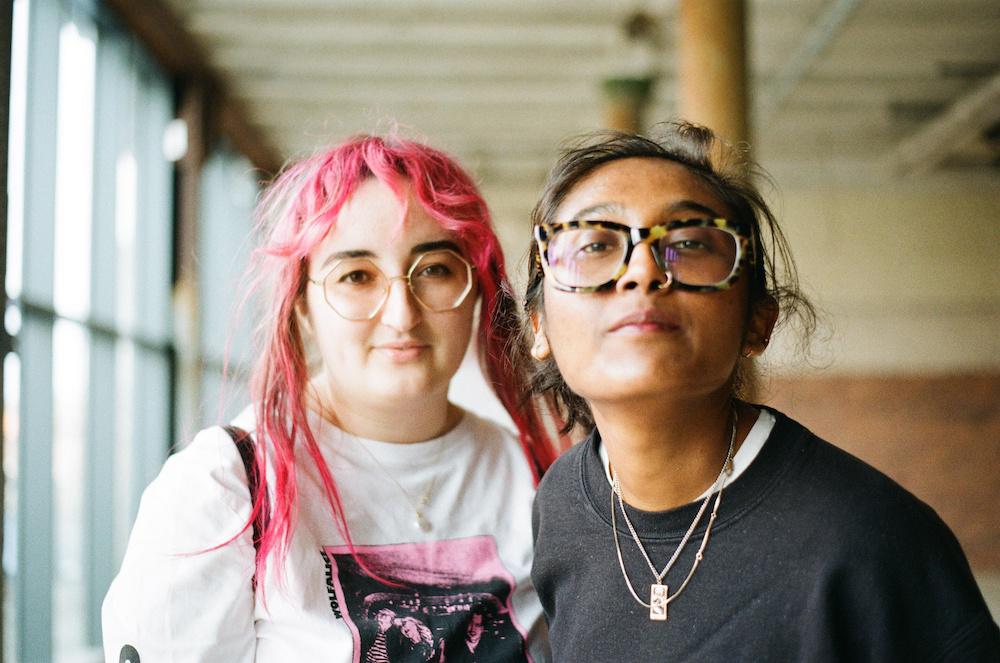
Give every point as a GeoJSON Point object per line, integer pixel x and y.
{"type": "Point", "coordinates": [357, 289]}
{"type": "Point", "coordinates": [701, 255]}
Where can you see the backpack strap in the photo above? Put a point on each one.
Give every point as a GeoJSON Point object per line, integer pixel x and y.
{"type": "Point", "coordinates": [244, 444]}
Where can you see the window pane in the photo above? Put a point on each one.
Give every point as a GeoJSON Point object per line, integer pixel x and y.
{"type": "Point", "coordinates": [70, 340]}
{"type": "Point", "coordinates": [75, 156]}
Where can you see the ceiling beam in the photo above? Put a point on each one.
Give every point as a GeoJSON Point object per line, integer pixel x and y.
{"type": "Point", "coordinates": [180, 54]}
{"type": "Point", "coordinates": [596, 10]}
{"type": "Point", "coordinates": [445, 94]}
{"type": "Point", "coordinates": [817, 39]}
{"type": "Point", "coordinates": [968, 117]}
{"type": "Point", "coordinates": [382, 59]}
{"type": "Point", "coordinates": [306, 32]}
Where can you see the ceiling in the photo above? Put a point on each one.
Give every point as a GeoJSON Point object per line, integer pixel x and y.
{"type": "Point", "coordinates": [840, 88]}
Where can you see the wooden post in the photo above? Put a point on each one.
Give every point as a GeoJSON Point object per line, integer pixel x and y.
{"type": "Point", "coordinates": [625, 99]}
{"type": "Point", "coordinates": [712, 66]}
{"type": "Point", "coordinates": [194, 104]}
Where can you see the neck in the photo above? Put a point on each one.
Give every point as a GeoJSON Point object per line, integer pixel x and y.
{"type": "Point", "coordinates": [665, 455]}
{"type": "Point", "coordinates": [414, 420]}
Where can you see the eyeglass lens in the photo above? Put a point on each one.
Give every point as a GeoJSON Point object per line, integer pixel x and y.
{"type": "Point", "coordinates": [356, 288]}
{"type": "Point", "coordinates": [588, 257]}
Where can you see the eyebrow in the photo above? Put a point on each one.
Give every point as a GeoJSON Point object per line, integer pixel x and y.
{"type": "Point", "coordinates": [599, 208]}
{"type": "Point", "coordinates": [691, 206]}
{"type": "Point", "coordinates": [439, 245]}
{"type": "Point", "coordinates": [618, 208]}
{"type": "Point", "coordinates": [423, 247]}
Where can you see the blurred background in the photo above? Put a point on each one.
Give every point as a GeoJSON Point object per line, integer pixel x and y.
{"type": "Point", "coordinates": [138, 134]}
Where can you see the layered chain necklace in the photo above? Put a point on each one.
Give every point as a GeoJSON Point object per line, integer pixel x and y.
{"type": "Point", "coordinates": [420, 520]}
{"type": "Point", "coordinates": [659, 594]}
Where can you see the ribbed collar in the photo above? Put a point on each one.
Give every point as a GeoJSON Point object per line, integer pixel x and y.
{"type": "Point", "coordinates": [785, 448]}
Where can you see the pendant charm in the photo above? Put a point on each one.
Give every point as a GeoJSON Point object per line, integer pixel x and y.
{"type": "Point", "coordinates": [421, 523]}
{"type": "Point", "coordinates": [658, 603]}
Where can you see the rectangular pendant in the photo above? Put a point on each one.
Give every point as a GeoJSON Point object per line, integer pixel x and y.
{"type": "Point", "coordinates": [658, 603]}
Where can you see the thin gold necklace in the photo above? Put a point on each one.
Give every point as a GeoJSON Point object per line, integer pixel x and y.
{"type": "Point", "coordinates": [659, 596]}
{"type": "Point", "coordinates": [420, 520]}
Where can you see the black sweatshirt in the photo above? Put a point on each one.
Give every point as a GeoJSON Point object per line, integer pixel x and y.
{"type": "Point", "coordinates": [814, 556]}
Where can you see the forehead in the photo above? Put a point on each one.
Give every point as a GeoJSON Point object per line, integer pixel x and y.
{"type": "Point", "coordinates": [373, 219]}
{"type": "Point", "coordinates": [638, 184]}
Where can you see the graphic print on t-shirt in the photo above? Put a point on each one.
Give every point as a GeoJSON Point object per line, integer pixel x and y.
{"type": "Point", "coordinates": [451, 602]}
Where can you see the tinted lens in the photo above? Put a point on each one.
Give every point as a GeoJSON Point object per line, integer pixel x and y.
{"type": "Point", "coordinates": [700, 256]}
{"type": "Point", "coordinates": [355, 288]}
{"type": "Point", "coordinates": [585, 257]}
{"type": "Point", "coordinates": [441, 280]}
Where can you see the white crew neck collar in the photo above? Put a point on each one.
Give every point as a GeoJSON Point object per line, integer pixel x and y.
{"type": "Point", "coordinates": [746, 454]}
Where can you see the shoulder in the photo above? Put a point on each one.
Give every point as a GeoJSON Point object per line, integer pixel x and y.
{"type": "Point", "coordinates": [210, 458]}
{"type": "Point", "coordinates": [487, 431]}
{"type": "Point", "coordinates": [565, 473]}
{"type": "Point", "coordinates": [492, 448]}
{"type": "Point", "coordinates": [490, 438]}
{"type": "Point", "coordinates": [191, 525]}
{"type": "Point", "coordinates": [849, 492]}
{"type": "Point", "coordinates": [872, 551]}
{"type": "Point", "coordinates": [866, 519]}
{"type": "Point", "coordinates": [842, 483]}
{"type": "Point", "coordinates": [205, 481]}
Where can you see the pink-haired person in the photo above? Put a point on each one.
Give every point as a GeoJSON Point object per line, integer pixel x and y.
{"type": "Point", "coordinates": [352, 513]}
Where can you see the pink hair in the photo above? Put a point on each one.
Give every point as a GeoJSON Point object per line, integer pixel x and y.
{"type": "Point", "coordinates": [296, 213]}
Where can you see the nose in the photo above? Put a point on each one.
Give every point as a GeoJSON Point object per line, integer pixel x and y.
{"type": "Point", "coordinates": [642, 272]}
{"type": "Point", "coordinates": [400, 311]}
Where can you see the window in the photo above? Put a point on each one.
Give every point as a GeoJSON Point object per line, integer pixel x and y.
{"type": "Point", "coordinates": [89, 385]}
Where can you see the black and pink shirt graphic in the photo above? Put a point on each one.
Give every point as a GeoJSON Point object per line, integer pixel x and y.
{"type": "Point", "coordinates": [453, 603]}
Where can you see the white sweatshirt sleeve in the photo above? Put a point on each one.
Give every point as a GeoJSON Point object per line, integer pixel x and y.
{"type": "Point", "coordinates": [175, 600]}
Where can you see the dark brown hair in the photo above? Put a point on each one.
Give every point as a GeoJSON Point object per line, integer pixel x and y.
{"type": "Point", "coordinates": [729, 175]}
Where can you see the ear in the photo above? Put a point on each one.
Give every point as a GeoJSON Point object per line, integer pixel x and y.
{"type": "Point", "coordinates": [540, 349]}
{"type": "Point", "coordinates": [760, 326]}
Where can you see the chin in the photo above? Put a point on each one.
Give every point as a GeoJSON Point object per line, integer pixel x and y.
{"type": "Point", "coordinates": [639, 374]}
{"type": "Point", "coordinates": [623, 383]}
{"type": "Point", "coordinates": [408, 390]}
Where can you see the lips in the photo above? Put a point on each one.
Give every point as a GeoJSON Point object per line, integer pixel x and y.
{"type": "Point", "coordinates": [402, 350]}
{"type": "Point", "coordinates": [650, 320]}
{"type": "Point", "coordinates": [401, 345]}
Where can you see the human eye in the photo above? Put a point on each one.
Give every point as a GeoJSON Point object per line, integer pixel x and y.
{"type": "Point", "coordinates": [593, 244]}
{"type": "Point", "coordinates": [354, 274]}
{"type": "Point", "coordinates": [699, 243]}
{"type": "Point", "coordinates": [434, 270]}
{"type": "Point", "coordinates": [697, 239]}
{"type": "Point", "coordinates": [688, 245]}
{"type": "Point", "coordinates": [438, 266]}
{"type": "Point", "coordinates": [356, 277]}
{"type": "Point", "coordinates": [594, 247]}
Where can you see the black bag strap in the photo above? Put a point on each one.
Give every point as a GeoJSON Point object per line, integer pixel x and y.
{"type": "Point", "coordinates": [244, 444]}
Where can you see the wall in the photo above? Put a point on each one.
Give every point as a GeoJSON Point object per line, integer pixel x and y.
{"type": "Point", "coordinates": [907, 272]}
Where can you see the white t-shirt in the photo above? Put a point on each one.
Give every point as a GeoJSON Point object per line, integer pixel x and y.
{"type": "Point", "coordinates": [463, 589]}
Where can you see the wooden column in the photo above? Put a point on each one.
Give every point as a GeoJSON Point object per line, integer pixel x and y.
{"type": "Point", "coordinates": [712, 66]}
{"type": "Point", "coordinates": [625, 99]}
{"type": "Point", "coordinates": [193, 109]}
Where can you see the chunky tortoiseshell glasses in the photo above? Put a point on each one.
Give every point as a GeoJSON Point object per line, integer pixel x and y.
{"type": "Point", "coordinates": [702, 255]}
